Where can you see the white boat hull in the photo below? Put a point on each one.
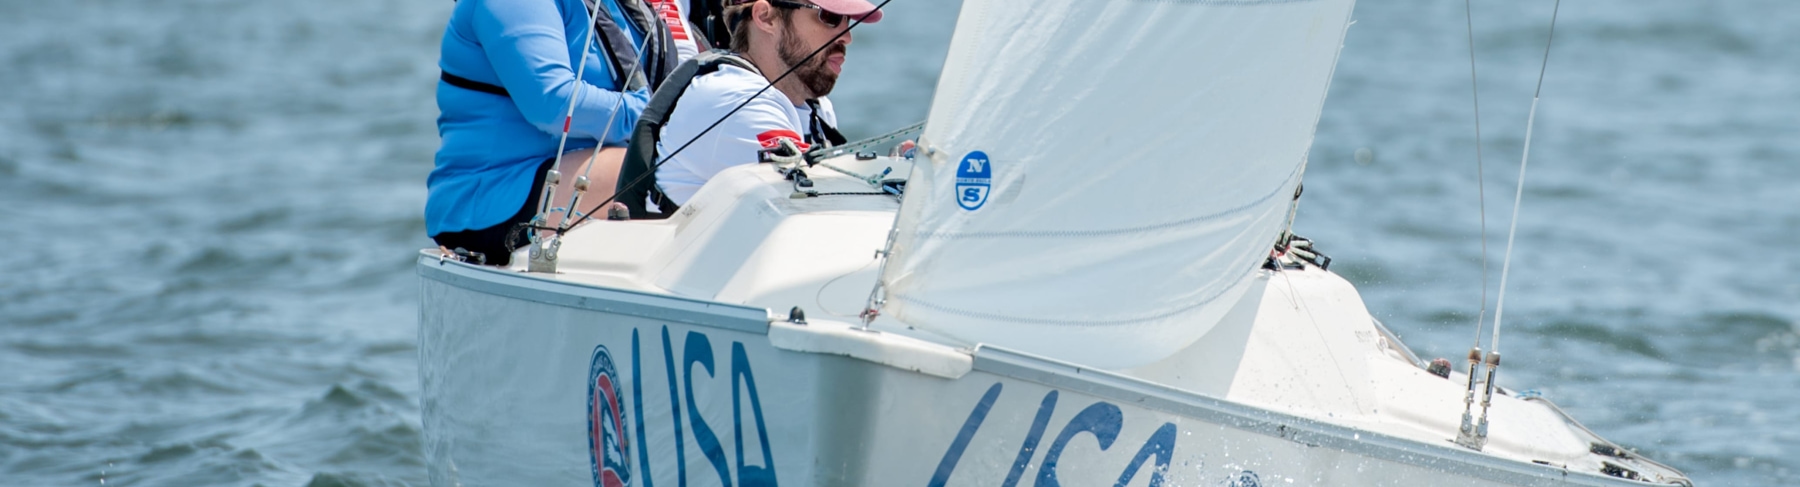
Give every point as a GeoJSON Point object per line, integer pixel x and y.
{"type": "Point", "coordinates": [530, 381]}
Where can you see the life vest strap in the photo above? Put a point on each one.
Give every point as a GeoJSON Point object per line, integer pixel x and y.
{"type": "Point", "coordinates": [469, 84]}
{"type": "Point", "coordinates": [820, 132]}
{"type": "Point", "coordinates": [637, 173]}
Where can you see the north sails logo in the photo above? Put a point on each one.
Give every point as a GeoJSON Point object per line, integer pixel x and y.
{"type": "Point", "coordinates": [607, 443]}
{"type": "Point", "coordinates": [974, 180]}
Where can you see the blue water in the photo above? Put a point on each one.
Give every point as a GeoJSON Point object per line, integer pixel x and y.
{"type": "Point", "coordinates": [211, 208]}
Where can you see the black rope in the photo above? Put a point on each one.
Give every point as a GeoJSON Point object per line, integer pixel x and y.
{"type": "Point", "coordinates": [1546, 65]}
{"type": "Point", "coordinates": [715, 124]}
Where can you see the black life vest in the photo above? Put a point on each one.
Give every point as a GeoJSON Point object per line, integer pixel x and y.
{"type": "Point", "coordinates": [639, 166]}
{"type": "Point", "coordinates": [709, 17]}
{"type": "Point", "coordinates": [656, 65]}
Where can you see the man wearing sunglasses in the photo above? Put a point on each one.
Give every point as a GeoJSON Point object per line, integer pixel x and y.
{"type": "Point", "coordinates": [774, 36]}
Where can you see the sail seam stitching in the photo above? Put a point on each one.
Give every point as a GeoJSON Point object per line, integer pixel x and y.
{"type": "Point", "coordinates": [1066, 322]}
{"type": "Point", "coordinates": [1120, 231]}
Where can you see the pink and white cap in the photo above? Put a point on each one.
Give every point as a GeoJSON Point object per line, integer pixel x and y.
{"type": "Point", "coordinates": [852, 9]}
{"type": "Point", "coordinates": [849, 8]}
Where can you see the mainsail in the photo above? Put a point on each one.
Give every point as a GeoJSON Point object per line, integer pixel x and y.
{"type": "Point", "coordinates": [1100, 178]}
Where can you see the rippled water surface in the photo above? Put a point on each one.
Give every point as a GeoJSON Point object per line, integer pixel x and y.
{"type": "Point", "coordinates": [211, 208]}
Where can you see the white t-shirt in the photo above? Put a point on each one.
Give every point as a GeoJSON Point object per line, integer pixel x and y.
{"type": "Point", "coordinates": [736, 140]}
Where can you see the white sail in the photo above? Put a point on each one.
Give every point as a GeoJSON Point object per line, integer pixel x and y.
{"type": "Point", "coordinates": [1101, 177]}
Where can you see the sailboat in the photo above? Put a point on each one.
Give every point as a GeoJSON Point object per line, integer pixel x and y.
{"type": "Point", "coordinates": [1078, 287]}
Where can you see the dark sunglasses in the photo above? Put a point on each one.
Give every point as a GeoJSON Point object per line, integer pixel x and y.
{"type": "Point", "coordinates": [831, 19]}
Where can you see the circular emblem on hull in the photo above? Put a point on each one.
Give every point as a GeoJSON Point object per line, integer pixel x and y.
{"type": "Point", "coordinates": [607, 444]}
{"type": "Point", "coordinates": [974, 181]}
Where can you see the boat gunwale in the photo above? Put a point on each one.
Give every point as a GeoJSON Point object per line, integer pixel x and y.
{"type": "Point", "coordinates": [557, 292]}
{"type": "Point", "coordinates": [1035, 369]}
{"type": "Point", "coordinates": [1306, 431]}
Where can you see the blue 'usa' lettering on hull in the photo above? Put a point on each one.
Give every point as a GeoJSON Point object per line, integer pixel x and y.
{"type": "Point", "coordinates": [976, 417]}
{"type": "Point", "coordinates": [1102, 420]}
{"type": "Point", "coordinates": [697, 349]}
{"type": "Point", "coordinates": [749, 476]}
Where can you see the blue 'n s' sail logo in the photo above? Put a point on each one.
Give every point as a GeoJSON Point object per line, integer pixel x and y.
{"type": "Point", "coordinates": [974, 180]}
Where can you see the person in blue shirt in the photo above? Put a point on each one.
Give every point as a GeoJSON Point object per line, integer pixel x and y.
{"type": "Point", "coordinates": [509, 76]}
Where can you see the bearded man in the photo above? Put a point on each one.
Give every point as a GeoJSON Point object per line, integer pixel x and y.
{"type": "Point", "coordinates": [774, 36]}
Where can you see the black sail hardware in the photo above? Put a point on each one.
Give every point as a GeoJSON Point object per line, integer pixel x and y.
{"type": "Point", "coordinates": [1294, 252]}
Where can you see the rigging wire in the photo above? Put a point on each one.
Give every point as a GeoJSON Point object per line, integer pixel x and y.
{"type": "Point", "coordinates": [1480, 173]}
{"type": "Point", "coordinates": [858, 21]}
{"type": "Point", "coordinates": [574, 99]}
{"type": "Point", "coordinates": [1519, 194]}
{"type": "Point", "coordinates": [631, 71]}
{"type": "Point", "coordinates": [1479, 436]}
{"type": "Point", "coordinates": [1467, 434]}
{"type": "Point", "coordinates": [548, 191]}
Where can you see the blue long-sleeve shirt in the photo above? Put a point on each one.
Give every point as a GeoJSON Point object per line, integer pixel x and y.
{"type": "Point", "coordinates": [492, 145]}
